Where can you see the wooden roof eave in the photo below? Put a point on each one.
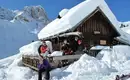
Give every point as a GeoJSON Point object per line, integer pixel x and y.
{"type": "Point", "coordinates": [64, 34]}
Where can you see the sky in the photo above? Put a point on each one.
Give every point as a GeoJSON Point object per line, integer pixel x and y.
{"type": "Point", "coordinates": [121, 8]}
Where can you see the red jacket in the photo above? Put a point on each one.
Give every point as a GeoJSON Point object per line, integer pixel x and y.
{"type": "Point", "coordinates": [43, 48]}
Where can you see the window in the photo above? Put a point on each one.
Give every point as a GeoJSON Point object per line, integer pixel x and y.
{"type": "Point", "coordinates": [103, 42]}
{"type": "Point", "coordinates": [96, 32]}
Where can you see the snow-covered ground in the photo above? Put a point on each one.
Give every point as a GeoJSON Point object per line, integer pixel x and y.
{"type": "Point", "coordinates": [18, 28]}
{"type": "Point", "coordinates": [23, 29]}
{"type": "Point", "coordinates": [107, 64]}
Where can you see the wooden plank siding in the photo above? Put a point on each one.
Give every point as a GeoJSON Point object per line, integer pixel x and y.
{"type": "Point", "coordinates": [97, 23]}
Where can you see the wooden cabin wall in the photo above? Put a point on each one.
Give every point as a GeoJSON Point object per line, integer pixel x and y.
{"type": "Point", "coordinates": [96, 30]}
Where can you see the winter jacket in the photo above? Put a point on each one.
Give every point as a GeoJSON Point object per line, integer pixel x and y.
{"type": "Point", "coordinates": [44, 65]}
{"type": "Point", "coordinates": [43, 48]}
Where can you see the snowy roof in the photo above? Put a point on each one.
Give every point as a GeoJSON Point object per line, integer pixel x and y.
{"type": "Point", "coordinates": [75, 15]}
{"type": "Point", "coordinates": [63, 12]}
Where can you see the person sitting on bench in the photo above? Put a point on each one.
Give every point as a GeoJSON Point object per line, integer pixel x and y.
{"type": "Point", "coordinates": [43, 65]}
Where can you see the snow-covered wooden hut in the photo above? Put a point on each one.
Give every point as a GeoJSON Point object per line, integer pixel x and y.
{"type": "Point", "coordinates": [93, 18]}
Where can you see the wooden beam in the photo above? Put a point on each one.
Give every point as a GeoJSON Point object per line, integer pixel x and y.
{"type": "Point", "coordinates": [67, 57]}
{"type": "Point", "coordinates": [30, 66]}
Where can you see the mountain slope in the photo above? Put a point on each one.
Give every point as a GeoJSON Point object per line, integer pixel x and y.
{"type": "Point", "coordinates": [21, 30]}
{"type": "Point", "coordinates": [6, 14]}
{"type": "Point", "coordinates": [31, 13]}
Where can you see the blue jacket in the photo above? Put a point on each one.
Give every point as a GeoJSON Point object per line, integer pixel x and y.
{"type": "Point", "coordinates": [44, 65]}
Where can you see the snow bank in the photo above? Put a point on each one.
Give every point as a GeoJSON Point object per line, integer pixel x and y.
{"type": "Point", "coordinates": [106, 66]}
{"type": "Point", "coordinates": [21, 73]}
{"type": "Point", "coordinates": [89, 65]}
{"type": "Point", "coordinates": [16, 71]}
{"type": "Point", "coordinates": [86, 68]}
{"type": "Point", "coordinates": [32, 48]}
{"type": "Point", "coordinates": [116, 57]}
{"type": "Point", "coordinates": [57, 53]}
{"type": "Point", "coordinates": [99, 47]}
{"type": "Point", "coordinates": [126, 27]}
{"type": "Point", "coordinates": [12, 69]}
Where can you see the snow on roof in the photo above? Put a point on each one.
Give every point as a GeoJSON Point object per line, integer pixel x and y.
{"type": "Point", "coordinates": [63, 12]}
{"type": "Point", "coordinates": [125, 37]}
{"type": "Point", "coordinates": [71, 33]}
{"type": "Point", "coordinates": [76, 15]}
{"type": "Point", "coordinates": [31, 49]}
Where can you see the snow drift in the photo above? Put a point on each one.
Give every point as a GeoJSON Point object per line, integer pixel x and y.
{"type": "Point", "coordinates": [109, 63]}
{"type": "Point", "coordinates": [125, 26]}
